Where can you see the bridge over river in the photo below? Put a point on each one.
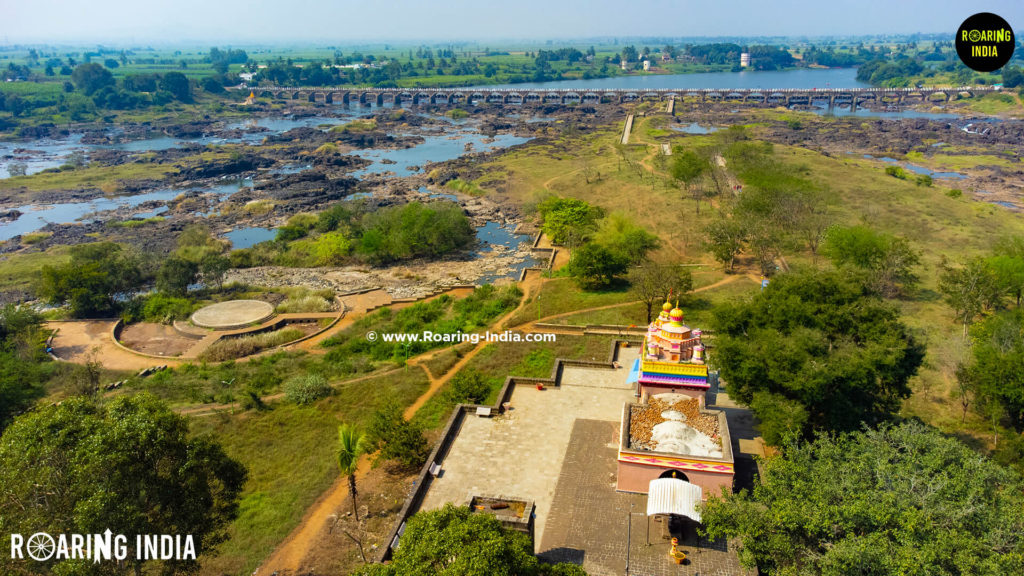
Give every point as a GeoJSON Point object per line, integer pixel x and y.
{"type": "Point", "coordinates": [450, 96]}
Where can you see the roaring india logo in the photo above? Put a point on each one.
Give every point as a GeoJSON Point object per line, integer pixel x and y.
{"type": "Point", "coordinates": [985, 42]}
{"type": "Point", "coordinates": [43, 547]}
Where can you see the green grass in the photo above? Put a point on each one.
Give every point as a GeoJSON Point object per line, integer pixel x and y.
{"type": "Point", "coordinates": [560, 295]}
{"type": "Point", "coordinates": [697, 307]}
{"type": "Point", "coordinates": [102, 177]}
{"type": "Point", "coordinates": [231, 348]}
{"type": "Point", "coordinates": [35, 237]}
{"type": "Point", "coordinates": [136, 223]}
{"type": "Point", "coordinates": [443, 361]}
{"type": "Point", "coordinates": [499, 360]}
{"type": "Point", "coordinates": [18, 271]}
{"type": "Point", "coordinates": [1004, 103]}
{"type": "Point", "coordinates": [442, 315]}
{"type": "Point", "coordinates": [465, 187]}
{"type": "Point", "coordinates": [289, 453]}
{"type": "Point", "coordinates": [356, 126]}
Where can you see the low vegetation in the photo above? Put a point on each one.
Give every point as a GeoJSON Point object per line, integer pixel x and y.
{"type": "Point", "coordinates": [443, 315]}
{"type": "Point", "coordinates": [344, 234]}
{"type": "Point", "coordinates": [241, 346]}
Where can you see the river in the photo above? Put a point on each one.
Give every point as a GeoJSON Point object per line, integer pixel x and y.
{"type": "Point", "coordinates": [800, 78]}
{"type": "Point", "coordinates": [42, 154]}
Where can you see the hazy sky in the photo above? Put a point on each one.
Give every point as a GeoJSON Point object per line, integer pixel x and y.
{"type": "Point", "coordinates": [341, 21]}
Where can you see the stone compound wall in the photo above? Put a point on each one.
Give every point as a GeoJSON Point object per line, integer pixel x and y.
{"type": "Point", "coordinates": [451, 431]}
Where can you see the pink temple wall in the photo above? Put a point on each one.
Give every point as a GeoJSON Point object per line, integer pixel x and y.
{"type": "Point", "coordinates": [634, 477]}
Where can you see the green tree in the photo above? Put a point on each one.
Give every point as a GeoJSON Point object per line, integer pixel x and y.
{"type": "Point", "coordinates": [900, 501]}
{"type": "Point", "coordinates": [817, 349]}
{"type": "Point", "coordinates": [398, 439]}
{"type": "Point", "coordinates": [24, 364]}
{"type": "Point", "coordinates": [887, 260]}
{"type": "Point", "coordinates": [595, 266]}
{"type": "Point", "coordinates": [994, 375]}
{"type": "Point", "coordinates": [213, 85]}
{"type": "Point", "coordinates": [351, 445]}
{"type": "Point", "coordinates": [414, 230]}
{"type": "Point", "coordinates": [91, 77]}
{"type": "Point", "coordinates": [652, 283]}
{"type": "Point", "coordinates": [1008, 265]}
{"type": "Point", "coordinates": [969, 290]}
{"type": "Point", "coordinates": [130, 466]}
{"type": "Point", "coordinates": [178, 85]}
{"type": "Point", "coordinates": [212, 269]}
{"type": "Point", "coordinates": [568, 221]}
{"type": "Point", "coordinates": [726, 238]}
{"type": "Point", "coordinates": [621, 235]}
{"type": "Point", "coordinates": [688, 168]}
{"type": "Point", "coordinates": [454, 541]}
{"type": "Point", "coordinates": [468, 386]}
{"type": "Point", "coordinates": [92, 282]}
{"type": "Point", "coordinates": [176, 275]}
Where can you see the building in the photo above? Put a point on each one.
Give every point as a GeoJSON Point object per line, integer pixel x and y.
{"type": "Point", "coordinates": [647, 65]}
{"type": "Point", "coordinates": [669, 433]}
{"type": "Point", "coordinates": [745, 59]}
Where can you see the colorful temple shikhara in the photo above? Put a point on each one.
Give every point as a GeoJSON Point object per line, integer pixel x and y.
{"type": "Point", "coordinates": [669, 433]}
{"type": "Point", "coordinates": [673, 356]}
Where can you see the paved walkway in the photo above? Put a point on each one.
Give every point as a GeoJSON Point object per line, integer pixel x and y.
{"type": "Point", "coordinates": [520, 453]}
{"type": "Point", "coordinates": [589, 520]}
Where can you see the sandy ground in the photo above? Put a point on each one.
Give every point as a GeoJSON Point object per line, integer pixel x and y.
{"type": "Point", "coordinates": [152, 338]}
{"type": "Point", "coordinates": [75, 341]}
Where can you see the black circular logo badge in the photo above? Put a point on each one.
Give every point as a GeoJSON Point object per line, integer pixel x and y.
{"type": "Point", "coordinates": [985, 42]}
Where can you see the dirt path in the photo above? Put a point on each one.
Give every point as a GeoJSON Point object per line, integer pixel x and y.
{"type": "Point", "coordinates": [288, 557]}
{"type": "Point", "coordinates": [75, 341]}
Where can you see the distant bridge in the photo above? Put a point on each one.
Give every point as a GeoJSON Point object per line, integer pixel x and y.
{"type": "Point", "coordinates": [450, 96]}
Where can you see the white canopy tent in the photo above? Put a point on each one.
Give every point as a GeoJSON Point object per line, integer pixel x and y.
{"type": "Point", "coordinates": [673, 496]}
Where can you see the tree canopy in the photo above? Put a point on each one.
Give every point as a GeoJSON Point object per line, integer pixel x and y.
{"type": "Point", "coordinates": [91, 77]}
{"type": "Point", "coordinates": [886, 260]}
{"type": "Point", "coordinates": [92, 281]}
{"type": "Point", "coordinates": [902, 500]}
{"type": "Point", "coordinates": [453, 541]}
{"type": "Point", "coordinates": [414, 230]}
{"type": "Point", "coordinates": [995, 372]}
{"type": "Point", "coordinates": [568, 221]}
{"type": "Point", "coordinates": [130, 466]}
{"type": "Point", "coordinates": [23, 363]}
{"type": "Point", "coordinates": [815, 350]}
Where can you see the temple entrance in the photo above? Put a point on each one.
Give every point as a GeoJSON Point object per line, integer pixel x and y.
{"type": "Point", "coordinates": [674, 474]}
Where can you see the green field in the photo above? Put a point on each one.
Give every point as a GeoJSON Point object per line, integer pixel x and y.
{"type": "Point", "coordinates": [289, 452]}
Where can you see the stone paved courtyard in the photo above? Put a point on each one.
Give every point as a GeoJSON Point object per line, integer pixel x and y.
{"type": "Point", "coordinates": [588, 521]}
{"type": "Point", "coordinates": [557, 447]}
{"type": "Point", "coordinates": [520, 453]}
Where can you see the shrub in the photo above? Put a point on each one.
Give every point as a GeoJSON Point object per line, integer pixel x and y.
{"type": "Point", "coordinates": [399, 439]}
{"type": "Point", "coordinates": [231, 348]}
{"type": "Point", "coordinates": [163, 309]}
{"type": "Point", "coordinates": [304, 303]}
{"type": "Point", "coordinates": [306, 389]}
{"type": "Point", "coordinates": [955, 193]}
{"type": "Point", "coordinates": [896, 172]}
{"type": "Point", "coordinates": [469, 387]}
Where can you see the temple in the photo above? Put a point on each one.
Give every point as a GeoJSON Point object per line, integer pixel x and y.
{"type": "Point", "coordinates": [669, 433]}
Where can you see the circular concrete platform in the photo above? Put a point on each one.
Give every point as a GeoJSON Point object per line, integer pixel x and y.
{"type": "Point", "coordinates": [232, 314]}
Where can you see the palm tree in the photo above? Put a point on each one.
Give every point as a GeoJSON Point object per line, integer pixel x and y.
{"type": "Point", "coordinates": [352, 443]}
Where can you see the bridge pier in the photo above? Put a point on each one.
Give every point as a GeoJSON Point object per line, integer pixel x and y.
{"type": "Point", "coordinates": [836, 97]}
